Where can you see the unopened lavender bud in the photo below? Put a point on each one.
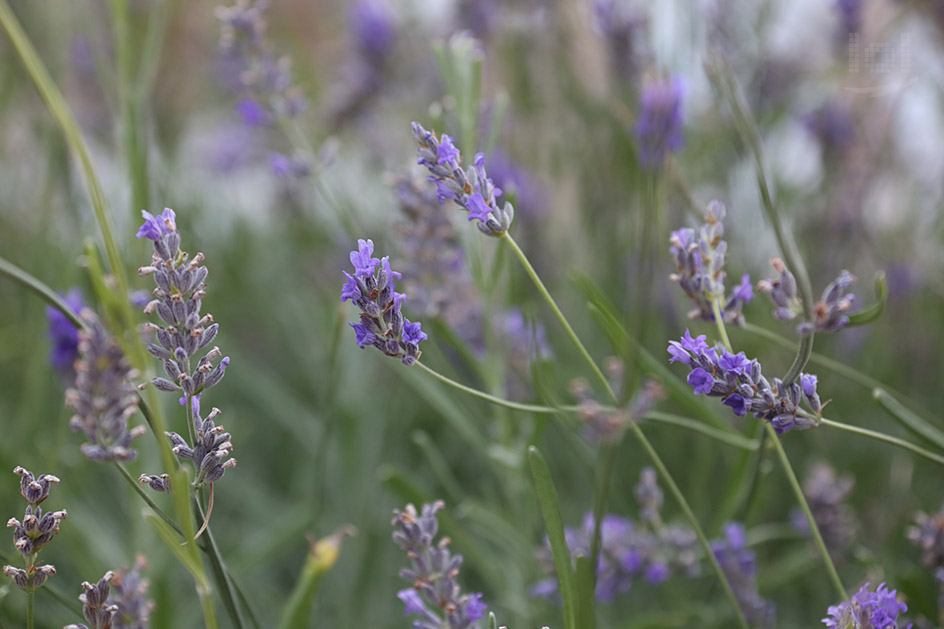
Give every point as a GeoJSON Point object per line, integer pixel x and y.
{"type": "Point", "coordinates": [157, 483]}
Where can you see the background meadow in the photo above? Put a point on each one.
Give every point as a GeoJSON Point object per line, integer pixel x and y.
{"type": "Point", "coordinates": [274, 178]}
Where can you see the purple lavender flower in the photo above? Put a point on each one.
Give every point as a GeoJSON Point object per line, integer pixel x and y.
{"type": "Point", "coordinates": [832, 125]}
{"type": "Point", "coordinates": [868, 610]}
{"type": "Point", "coordinates": [471, 188]}
{"type": "Point", "coordinates": [829, 313]}
{"type": "Point", "coordinates": [435, 596]}
{"type": "Point", "coordinates": [740, 567]}
{"type": "Point", "coordinates": [99, 613]}
{"type": "Point", "coordinates": [63, 336]}
{"type": "Point", "coordinates": [296, 166]}
{"type": "Point", "coordinates": [181, 287]}
{"type": "Point", "coordinates": [211, 449]}
{"type": "Point", "coordinates": [659, 127]}
{"type": "Point", "coordinates": [371, 22]}
{"type": "Point", "coordinates": [699, 259]}
{"type": "Point", "coordinates": [252, 112]}
{"type": "Point", "coordinates": [35, 531]}
{"type": "Point", "coordinates": [715, 372]}
{"type": "Point", "coordinates": [381, 322]}
{"type": "Point", "coordinates": [103, 397]}
{"type": "Point", "coordinates": [850, 16]}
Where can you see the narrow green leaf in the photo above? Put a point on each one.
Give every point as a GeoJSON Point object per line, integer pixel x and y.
{"type": "Point", "coordinates": [182, 551]}
{"type": "Point", "coordinates": [322, 556]}
{"type": "Point", "coordinates": [873, 311]}
{"type": "Point", "coordinates": [909, 419]}
{"type": "Point", "coordinates": [550, 510]}
{"type": "Point", "coordinates": [492, 621]}
{"type": "Point", "coordinates": [586, 593]}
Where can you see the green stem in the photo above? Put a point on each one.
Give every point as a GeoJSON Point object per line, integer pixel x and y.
{"type": "Point", "coordinates": [223, 580]}
{"type": "Point", "coordinates": [560, 315]}
{"type": "Point", "coordinates": [801, 499]}
{"type": "Point", "coordinates": [59, 110]}
{"type": "Point", "coordinates": [732, 439]}
{"type": "Point", "coordinates": [23, 278]}
{"type": "Point", "coordinates": [599, 504]}
{"type": "Point", "coordinates": [637, 431]}
{"type": "Point", "coordinates": [719, 322]}
{"type": "Point", "coordinates": [147, 499]}
{"type": "Point", "coordinates": [29, 608]}
{"type": "Point", "coordinates": [879, 436]}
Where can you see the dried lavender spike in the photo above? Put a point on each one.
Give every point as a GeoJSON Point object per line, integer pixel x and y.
{"type": "Point", "coordinates": [35, 531]}
{"type": "Point", "coordinates": [435, 596]}
{"type": "Point", "coordinates": [699, 260]}
{"type": "Point", "coordinates": [104, 398]}
{"type": "Point", "coordinates": [830, 313]}
{"type": "Point", "coordinates": [209, 453]}
{"type": "Point", "coordinates": [716, 372]}
{"type": "Point", "coordinates": [382, 324]}
{"type": "Point", "coordinates": [129, 595]}
{"type": "Point", "coordinates": [97, 611]}
{"type": "Point", "coordinates": [472, 189]}
{"type": "Point", "coordinates": [649, 496]}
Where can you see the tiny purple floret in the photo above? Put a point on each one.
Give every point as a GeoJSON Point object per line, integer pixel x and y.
{"type": "Point", "coordinates": [701, 380]}
{"type": "Point", "coordinates": [364, 263]}
{"type": "Point", "coordinates": [412, 332]}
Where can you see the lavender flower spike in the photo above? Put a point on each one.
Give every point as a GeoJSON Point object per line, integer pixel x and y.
{"type": "Point", "coordinates": [716, 372]}
{"type": "Point", "coordinates": [178, 296]}
{"type": "Point", "coordinates": [104, 398]}
{"type": "Point", "coordinates": [699, 260]}
{"type": "Point", "coordinates": [35, 531]}
{"type": "Point", "coordinates": [868, 610]}
{"type": "Point", "coordinates": [435, 595]}
{"type": "Point", "coordinates": [95, 607]}
{"type": "Point", "coordinates": [382, 323]}
{"type": "Point", "coordinates": [471, 188]}
{"type": "Point", "coordinates": [829, 313]}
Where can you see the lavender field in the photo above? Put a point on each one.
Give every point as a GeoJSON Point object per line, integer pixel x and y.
{"type": "Point", "coordinates": [563, 314]}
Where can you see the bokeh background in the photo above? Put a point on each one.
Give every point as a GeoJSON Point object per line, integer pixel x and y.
{"type": "Point", "coordinates": [847, 96]}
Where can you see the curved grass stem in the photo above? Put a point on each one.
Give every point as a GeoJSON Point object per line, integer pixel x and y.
{"type": "Point", "coordinates": [880, 436]}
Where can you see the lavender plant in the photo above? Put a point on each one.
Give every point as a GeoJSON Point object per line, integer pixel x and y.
{"type": "Point", "coordinates": [830, 313]}
{"type": "Point", "coordinates": [435, 595]}
{"type": "Point", "coordinates": [659, 126]}
{"type": "Point", "coordinates": [868, 610]}
{"type": "Point", "coordinates": [116, 601]}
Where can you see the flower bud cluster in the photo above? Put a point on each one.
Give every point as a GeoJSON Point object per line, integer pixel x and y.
{"type": "Point", "coordinates": [177, 299]}
{"type": "Point", "coordinates": [211, 449]}
{"type": "Point", "coordinates": [382, 324]}
{"type": "Point", "coordinates": [868, 610]}
{"type": "Point", "coordinates": [435, 596]}
{"type": "Point", "coordinates": [716, 372]}
{"type": "Point", "coordinates": [699, 259]}
{"type": "Point", "coordinates": [98, 612]}
{"type": "Point", "coordinates": [103, 396]}
{"type": "Point", "coordinates": [470, 188]}
{"type": "Point", "coordinates": [830, 313]}
{"type": "Point", "coordinates": [34, 532]}
{"type": "Point", "coordinates": [928, 535]}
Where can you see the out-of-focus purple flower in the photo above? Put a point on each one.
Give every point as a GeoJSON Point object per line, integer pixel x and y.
{"type": "Point", "coordinates": [740, 567]}
{"type": "Point", "coordinates": [868, 610]}
{"type": "Point", "coordinates": [104, 397]}
{"type": "Point", "coordinates": [827, 496]}
{"type": "Point", "coordinates": [659, 126]}
{"type": "Point", "coordinates": [718, 373]}
{"type": "Point", "coordinates": [624, 28]}
{"type": "Point", "coordinates": [252, 112]}
{"type": "Point", "coordinates": [699, 261]}
{"type": "Point", "coordinates": [63, 336]}
{"type": "Point", "coordinates": [477, 16]}
{"type": "Point", "coordinates": [651, 550]}
{"type": "Point", "coordinates": [371, 22]}
{"type": "Point", "coordinates": [928, 535]}
{"type": "Point", "coordinates": [295, 166]}
{"type": "Point", "coordinates": [832, 125]}
{"type": "Point", "coordinates": [471, 188]}
{"type": "Point", "coordinates": [436, 596]}
{"type": "Point", "coordinates": [382, 324]}
{"type": "Point", "coordinates": [517, 184]}
{"type": "Point", "coordinates": [850, 16]}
